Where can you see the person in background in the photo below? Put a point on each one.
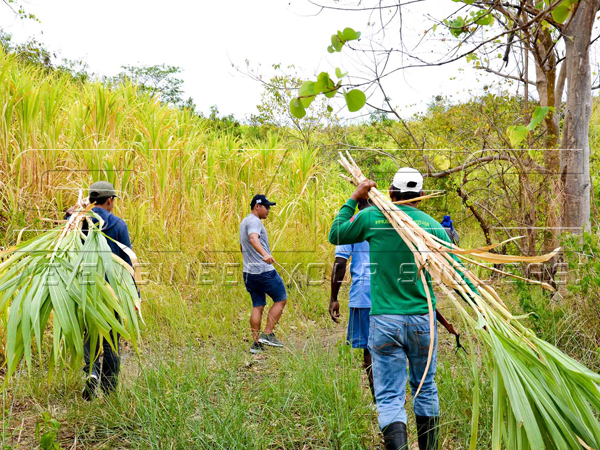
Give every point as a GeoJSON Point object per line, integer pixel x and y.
{"type": "Point", "coordinates": [360, 295]}
{"type": "Point", "coordinates": [449, 227]}
{"type": "Point", "coordinates": [106, 372]}
{"type": "Point", "coordinates": [260, 277]}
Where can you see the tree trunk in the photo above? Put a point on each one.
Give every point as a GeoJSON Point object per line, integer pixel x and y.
{"type": "Point", "coordinates": [549, 88]}
{"type": "Point", "coordinates": [546, 65]}
{"type": "Point", "coordinates": [575, 154]}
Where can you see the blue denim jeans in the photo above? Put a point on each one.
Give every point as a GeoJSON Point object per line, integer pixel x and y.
{"type": "Point", "coordinates": [394, 339]}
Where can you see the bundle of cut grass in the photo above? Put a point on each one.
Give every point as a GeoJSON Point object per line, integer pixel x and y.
{"type": "Point", "coordinates": [543, 399]}
{"type": "Point", "coordinates": [74, 279]}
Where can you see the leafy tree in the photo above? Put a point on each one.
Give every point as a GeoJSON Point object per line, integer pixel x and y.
{"type": "Point", "coordinates": [226, 123]}
{"type": "Point", "coordinates": [31, 52]}
{"type": "Point", "coordinates": [77, 68]}
{"type": "Point", "coordinates": [34, 52]}
{"type": "Point", "coordinates": [274, 109]}
{"type": "Point", "coordinates": [160, 80]}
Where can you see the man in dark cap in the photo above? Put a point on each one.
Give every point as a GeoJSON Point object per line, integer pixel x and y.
{"type": "Point", "coordinates": [260, 277]}
{"type": "Point", "coordinates": [105, 374]}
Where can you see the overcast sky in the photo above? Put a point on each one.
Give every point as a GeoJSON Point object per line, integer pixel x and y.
{"type": "Point", "coordinates": [206, 37]}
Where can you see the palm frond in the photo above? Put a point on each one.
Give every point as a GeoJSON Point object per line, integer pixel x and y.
{"type": "Point", "coordinates": [74, 279]}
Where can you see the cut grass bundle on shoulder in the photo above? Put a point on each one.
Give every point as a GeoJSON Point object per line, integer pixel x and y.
{"type": "Point", "coordinates": [542, 398]}
{"type": "Point", "coordinates": [73, 280]}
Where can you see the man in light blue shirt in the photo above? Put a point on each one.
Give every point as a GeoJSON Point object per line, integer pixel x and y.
{"type": "Point", "coordinates": [360, 295]}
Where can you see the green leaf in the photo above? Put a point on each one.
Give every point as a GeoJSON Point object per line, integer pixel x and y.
{"type": "Point", "coordinates": [331, 88]}
{"type": "Point", "coordinates": [561, 12]}
{"type": "Point", "coordinates": [307, 89]}
{"type": "Point", "coordinates": [517, 135]}
{"type": "Point", "coordinates": [456, 27]}
{"type": "Point", "coordinates": [339, 73]}
{"type": "Point", "coordinates": [349, 34]}
{"type": "Point", "coordinates": [485, 20]}
{"type": "Point", "coordinates": [322, 82]}
{"type": "Point", "coordinates": [538, 115]}
{"type": "Point", "coordinates": [330, 49]}
{"type": "Point", "coordinates": [329, 108]}
{"type": "Point", "coordinates": [355, 99]}
{"type": "Point", "coordinates": [297, 108]}
{"type": "Point", "coordinates": [336, 43]}
{"type": "Point", "coordinates": [47, 441]}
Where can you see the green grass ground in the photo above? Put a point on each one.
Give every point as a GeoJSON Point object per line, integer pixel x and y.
{"type": "Point", "coordinates": [194, 385]}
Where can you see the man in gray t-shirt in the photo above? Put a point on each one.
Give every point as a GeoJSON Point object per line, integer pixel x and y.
{"type": "Point", "coordinates": [253, 260]}
{"type": "Point", "coordinates": [260, 277]}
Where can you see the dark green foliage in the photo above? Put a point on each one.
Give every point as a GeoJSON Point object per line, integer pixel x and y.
{"type": "Point", "coordinates": [224, 123]}
{"type": "Point", "coordinates": [47, 431]}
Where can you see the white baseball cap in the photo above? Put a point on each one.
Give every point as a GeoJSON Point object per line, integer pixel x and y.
{"type": "Point", "coordinates": [408, 179]}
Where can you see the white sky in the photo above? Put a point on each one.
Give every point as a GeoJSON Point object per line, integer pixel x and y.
{"type": "Point", "coordinates": [204, 37]}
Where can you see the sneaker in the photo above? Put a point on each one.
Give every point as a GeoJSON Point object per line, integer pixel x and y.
{"type": "Point", "coordinates": [91, 386]}
{"type": "Point", "coordinates": [270, 339]}
{"type": "Point", "coordinates": [257, 348]}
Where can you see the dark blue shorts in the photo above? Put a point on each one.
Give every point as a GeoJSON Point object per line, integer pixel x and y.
{"type": "Point", "coordinates": [358, 327]}
{"type": "Point", "coordinates": [262, 284]}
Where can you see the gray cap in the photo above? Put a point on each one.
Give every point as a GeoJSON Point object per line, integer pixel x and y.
{"type": "Point", "coordinates": [102, 189]}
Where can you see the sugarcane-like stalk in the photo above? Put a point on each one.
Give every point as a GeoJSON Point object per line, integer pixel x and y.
{"type": "Point", "coordinates": [543, 399]}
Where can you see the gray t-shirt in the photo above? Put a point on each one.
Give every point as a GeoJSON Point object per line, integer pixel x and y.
{"type": "Point", "coordinates": [253, 262]}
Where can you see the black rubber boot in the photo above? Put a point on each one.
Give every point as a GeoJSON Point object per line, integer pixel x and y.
{"type": "Point", "coordinates": [427, 432]}
{"type": "Point", "coordinates": [395, 436]}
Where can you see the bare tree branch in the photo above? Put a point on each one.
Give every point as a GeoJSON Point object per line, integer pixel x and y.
{"type": "Point", "coordinates": [505, 75]}
{"type": "Point", "coordinates": [482, 223]}
{"type": "Point", "coordinates": [375, 8]}
{"type": "Point", "coordinates": [484, 159]}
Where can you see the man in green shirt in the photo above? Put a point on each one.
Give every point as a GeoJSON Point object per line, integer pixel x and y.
{"type": "Point", "coordinates": [399, 313]}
